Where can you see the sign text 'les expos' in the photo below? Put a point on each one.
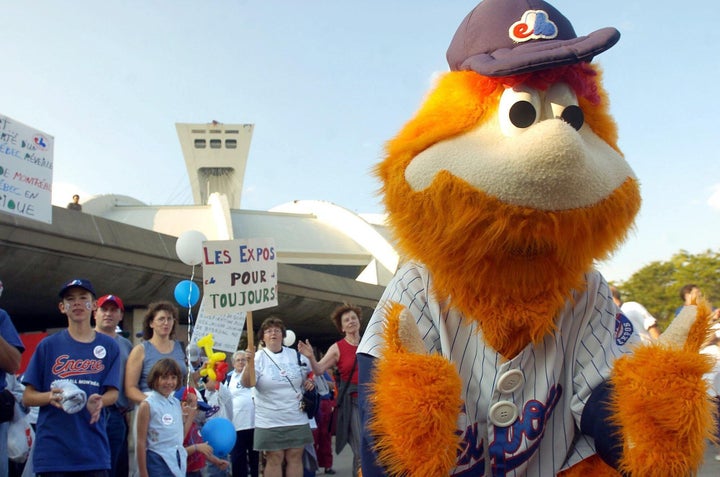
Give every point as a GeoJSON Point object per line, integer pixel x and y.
{"type": "Point", "coordinates": [239, 275]}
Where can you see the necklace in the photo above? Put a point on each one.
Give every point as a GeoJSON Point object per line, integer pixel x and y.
{"type": "Point", "coordinates": [352, 342]}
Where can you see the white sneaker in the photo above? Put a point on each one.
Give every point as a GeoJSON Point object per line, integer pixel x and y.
{"type": "Point", "coordinates": [717, 457]}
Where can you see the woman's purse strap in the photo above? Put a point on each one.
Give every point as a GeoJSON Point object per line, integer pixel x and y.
{"type": "Point", "coordinates": [347, 383]}
{"type": "Point", "coordinates": [281, 370]}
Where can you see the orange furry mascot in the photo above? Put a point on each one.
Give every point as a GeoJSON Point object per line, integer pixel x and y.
{"type": "Point", "coordinates": [497, 350]}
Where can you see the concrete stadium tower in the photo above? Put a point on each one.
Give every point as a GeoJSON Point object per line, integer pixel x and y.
{"type": "Point", "coordinates": [215, 156]}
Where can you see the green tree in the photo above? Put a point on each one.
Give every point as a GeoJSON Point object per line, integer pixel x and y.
{"type": "Point", "coordinates": [657, 285]}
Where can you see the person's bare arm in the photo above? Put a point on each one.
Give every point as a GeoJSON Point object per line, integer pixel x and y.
{"type": "Point", "coordinates": [96, 402]}
{"type": "Point", "coordinates": [142, 422]}
{"type": "Point", "coordinates": [133, 370]}
{"type": "Point", "coordinates": [33, 397]}
{"type": "Point", "coordinates": [245, 378]}
{"type": "Point", "coordinates": [9, 357]}
{"type": "Point", "coordinates": [328, 361]}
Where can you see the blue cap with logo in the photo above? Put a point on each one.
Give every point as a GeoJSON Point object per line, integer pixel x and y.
{"type": "Point", "coordinates": [79, 283]}
{"type": "Point", "coordinates": [510, 37]}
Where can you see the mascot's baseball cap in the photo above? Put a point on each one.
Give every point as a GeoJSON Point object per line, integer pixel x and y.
{"type": "Point", "coordinates": [509, 37]}
{"type": "Point", "coordinates": [77, 282]}
{"type": "Point", "coordinates": [112, 299]}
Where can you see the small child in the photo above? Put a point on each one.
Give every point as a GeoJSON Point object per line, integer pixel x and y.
{"type": "Point", "coordinates": [159, 424]}
{"type": "Point", "coordinates": [197, 449]}
{"type": "Point", "coordinates": [219, 402]}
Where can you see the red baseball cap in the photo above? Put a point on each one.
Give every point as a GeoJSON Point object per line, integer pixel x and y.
{"type": "Point", "coordinates": [111, 298]}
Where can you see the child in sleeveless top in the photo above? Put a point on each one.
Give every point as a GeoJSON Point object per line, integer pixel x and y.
{"type": "Point", "coordinates": [159, 424]}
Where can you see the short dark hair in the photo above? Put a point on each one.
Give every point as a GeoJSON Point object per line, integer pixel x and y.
{"type": "Point", "coordinates": [616, 293]}
{"type": "Point", "coordinates": [164, 367]}
{"type": "Point", "coordinates": [272, 322]}
{"type": "Point", "coordinates": [686, 289]}
{"type": "Point", "coordinates": [338, 312]}
{"type": "Point", "coordinates": [154, 309]}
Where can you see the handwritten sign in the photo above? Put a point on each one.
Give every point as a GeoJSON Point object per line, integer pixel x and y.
{"type": "Point", "coordinates": [26, 165]}
{"type": "Point", "coordinates": [226, 328]}
{"type": "Point", "coordinates": [239, 275]}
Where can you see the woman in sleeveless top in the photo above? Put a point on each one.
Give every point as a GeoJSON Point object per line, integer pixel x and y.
{"type": "Point", "coordinates": [159, 342]}
{"type": "Point", "coordinates": [342, 354]}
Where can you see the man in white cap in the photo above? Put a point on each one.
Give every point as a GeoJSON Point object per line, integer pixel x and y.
{"type": "Point", "coordinates": [108, 315]}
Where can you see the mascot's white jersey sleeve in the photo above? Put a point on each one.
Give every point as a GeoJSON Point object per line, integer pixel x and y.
{"type": "Point", "coordinates": [522, 416]}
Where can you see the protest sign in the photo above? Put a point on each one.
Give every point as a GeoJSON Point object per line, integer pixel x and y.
{"type": "Point", "coordinates": [226, 328]}
{"type": "Point", "coordinates": [239, 275]}
{"type": "Point", "coordinates": [26, 165]}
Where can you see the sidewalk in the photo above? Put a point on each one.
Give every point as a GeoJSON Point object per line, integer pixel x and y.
{"type": "Point", "coordinates": [342, 464]}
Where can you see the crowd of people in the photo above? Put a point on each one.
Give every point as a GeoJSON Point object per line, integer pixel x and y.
{"type": "Point", "coordinates": [92, 390]}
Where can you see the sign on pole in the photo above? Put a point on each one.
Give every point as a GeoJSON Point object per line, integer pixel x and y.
{"type": "Point", "coordinates": [226, 328]}
{"type": "Point", "coordinates": [239, 275]}
{"type": "Point", "coordinates": [26, 165]}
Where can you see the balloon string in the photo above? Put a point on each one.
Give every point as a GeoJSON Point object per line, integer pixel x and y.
{"type": "Point", "coordinates": [190, 326]}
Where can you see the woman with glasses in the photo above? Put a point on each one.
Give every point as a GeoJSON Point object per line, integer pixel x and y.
{"type": "Point", "coordinates": [158, 343]}
{"type": "Point", "coordinates": [282, 428]}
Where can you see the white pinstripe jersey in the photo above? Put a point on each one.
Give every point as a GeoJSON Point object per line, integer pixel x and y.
{"type": "Point", "coordinates": [547, 384]}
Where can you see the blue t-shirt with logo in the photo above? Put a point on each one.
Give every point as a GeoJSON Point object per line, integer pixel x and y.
{"type": "Point", "coordinates": [68, 442]}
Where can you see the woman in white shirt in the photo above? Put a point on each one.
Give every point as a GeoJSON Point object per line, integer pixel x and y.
{"type": "Point", "coordinates": [281, 427]}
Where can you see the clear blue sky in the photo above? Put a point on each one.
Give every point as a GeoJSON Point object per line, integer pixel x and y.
{"type": "Point", "coordinates": [326, 83]}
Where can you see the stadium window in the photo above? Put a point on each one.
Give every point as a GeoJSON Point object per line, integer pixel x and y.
{"type": "Point", "coordinates": [199, 143]}
{"type": "Point", "coordinates": [215, 143]}
{"type": "Point", "coordinates": [231, 143]}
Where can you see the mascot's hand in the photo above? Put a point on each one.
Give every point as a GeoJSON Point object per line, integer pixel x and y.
{"type": "Point", "coordinates": [415, 402]}
{"type": "Point", "coordinates": [659, 390]}
{"type": "Point", "coordinates": [685, 330]}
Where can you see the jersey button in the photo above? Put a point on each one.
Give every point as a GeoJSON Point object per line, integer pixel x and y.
{"type": "Point", "coordinates": [510, 381]}
{"type": "Point", "coordinates": [503, 413]}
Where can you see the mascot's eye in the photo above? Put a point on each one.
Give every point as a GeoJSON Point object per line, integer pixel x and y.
{"type": "Point", "coordinates": [522, 114]}
{"type": "Point", "coordinates": [574, 116]}
{"type": "Point", "coordinates": [561, 102]}
{"type": "Point", "coordinates": [519, 109]}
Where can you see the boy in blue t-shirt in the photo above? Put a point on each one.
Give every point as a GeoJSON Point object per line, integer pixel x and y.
{"type": "Point", "coordinates": [72, 375]}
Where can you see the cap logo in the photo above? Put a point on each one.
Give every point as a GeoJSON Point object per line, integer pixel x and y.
{"type": "Point", "coordinates": [534, 25]}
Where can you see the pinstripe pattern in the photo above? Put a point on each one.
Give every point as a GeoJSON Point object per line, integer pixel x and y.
{"type": "Point", "coordinates": [558, 376]}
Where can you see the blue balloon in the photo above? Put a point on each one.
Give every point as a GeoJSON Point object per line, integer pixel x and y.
{"type": "Point", "coordinates": [220, 434]}
{"type": "Point", "coordinates": [187, 293]}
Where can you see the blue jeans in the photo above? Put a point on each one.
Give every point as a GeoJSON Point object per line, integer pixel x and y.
{"type": "Point", "coordinates": [211, 470]}
{"type": "Point", "coordinates": [156, 466]}
{"type": "Point", "coordinates": [3, 448]}
{"type": "Point", "coordinates": [116, 428]}
{"type": "Point", "coordinates": [84, 473]}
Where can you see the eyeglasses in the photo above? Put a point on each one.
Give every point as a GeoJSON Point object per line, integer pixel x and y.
{"type": "Point", "coordinates": [273, 330]}
{"type": "Point", "coordinates": [164, 319]}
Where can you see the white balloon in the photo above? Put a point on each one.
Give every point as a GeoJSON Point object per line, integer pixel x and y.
{"type": "Point", "coordinates": [189, 247]}
{"type": "Point", "coordinates": [289, 339]}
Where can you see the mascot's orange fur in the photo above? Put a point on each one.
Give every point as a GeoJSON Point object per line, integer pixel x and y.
{"type": "Point", "coordinates": [502, 191]}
